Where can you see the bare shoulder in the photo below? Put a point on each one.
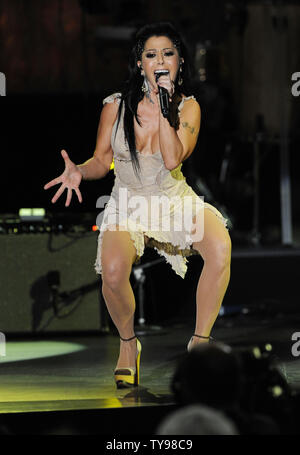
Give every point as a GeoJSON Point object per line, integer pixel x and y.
{"type": "Point", "coordinates": [114, 98]}
{"type": "Point", "coordinates": [109, 113]}
{"type": "Point", "coordinates": [110, 108]}
{"type": "Point", "coordinates": [189, 106]}
{"type": "Point", "coordinates": [189, 125]}
{"type": "Point", "coordinates": [190, 115]}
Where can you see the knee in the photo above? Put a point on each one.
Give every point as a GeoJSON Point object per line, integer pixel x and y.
{"type": "Point", "coordinates": [222, 252]}
{"type": "Point", "coordinates": [114, 272]}
{"type": "Point", "coordinates": [217, 253]}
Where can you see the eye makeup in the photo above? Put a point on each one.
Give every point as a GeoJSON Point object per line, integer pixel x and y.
{"type": "Point", "coordinates": [153, 53]}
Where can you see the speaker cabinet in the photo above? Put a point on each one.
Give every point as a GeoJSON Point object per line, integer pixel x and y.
{"type": "Point", "coordinates": [48, 283]}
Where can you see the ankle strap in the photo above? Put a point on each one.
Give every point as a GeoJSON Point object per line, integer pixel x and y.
{"type": "Point", "coordinates": [128, 339]}
{"type": "Point", "coordinates": [200, 336]}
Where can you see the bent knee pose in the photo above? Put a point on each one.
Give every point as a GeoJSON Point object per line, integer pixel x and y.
{"type": "Point", "coordinates": [147, 131]}
{"type": "Point", "coordinates": [215, 249]}
{"type": "Point", "coordinates": [118, 255]}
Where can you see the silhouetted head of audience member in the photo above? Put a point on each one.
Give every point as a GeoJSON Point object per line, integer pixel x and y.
{"type": "Point", "coordinates": [239, 383]}
{"type": "Point", "coordinates": [209, 374]}
{"type": "Point", "coordinates": [196, 420]}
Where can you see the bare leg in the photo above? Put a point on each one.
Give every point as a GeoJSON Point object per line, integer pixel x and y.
{"type": "Point", "coordinates": [215, 249]}
{"type": "Point", "coordinates": [118, 254]}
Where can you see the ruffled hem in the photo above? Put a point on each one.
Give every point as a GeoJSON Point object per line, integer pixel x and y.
{"type": "Point", "coordinates": [169, 248]}
{"type": "Point", "coordinates": [175, 254]}
{"type": "Point", "coordinates": [178, 263]}
{"type": "Point", "coordinates": [137, 237]}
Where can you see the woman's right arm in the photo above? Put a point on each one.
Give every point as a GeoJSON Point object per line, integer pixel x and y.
{"type": "Point", "coordinates": [94, 168]}
{"type": "Point", "coordinates": [99, 165]}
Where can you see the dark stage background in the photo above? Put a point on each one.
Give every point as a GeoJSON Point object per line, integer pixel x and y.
{"type": "Point", "coordinates": [62, 57]}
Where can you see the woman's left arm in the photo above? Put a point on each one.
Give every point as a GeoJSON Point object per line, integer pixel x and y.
{"type": "Point", "coordinates": [177, 146]}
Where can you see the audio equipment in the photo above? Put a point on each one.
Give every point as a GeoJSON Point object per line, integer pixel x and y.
{"type": "Point", "coordinates": [48, 282]}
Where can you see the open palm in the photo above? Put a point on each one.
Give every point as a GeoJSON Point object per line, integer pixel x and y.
{"type": "Point", "coordinates": [70, 179]}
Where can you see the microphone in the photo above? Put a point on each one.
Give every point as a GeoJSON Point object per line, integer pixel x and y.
{"type": "Point", "coordinates": [163, 94]}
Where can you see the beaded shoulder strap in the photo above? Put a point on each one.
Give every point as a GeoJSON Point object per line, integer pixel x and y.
{"type": "Point", "coordinates": [183, 100]}
{"type": "Point", "coordinates": [112, 98]}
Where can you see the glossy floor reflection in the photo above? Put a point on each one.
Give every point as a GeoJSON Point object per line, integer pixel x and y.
{"type": "Point", "coordinates": [76, 372]}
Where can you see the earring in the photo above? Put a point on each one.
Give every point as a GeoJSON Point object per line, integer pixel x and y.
{"type": "Point", "coordinates": [145, 86]}
{"type": "Point", "coordinates": [180, 80]}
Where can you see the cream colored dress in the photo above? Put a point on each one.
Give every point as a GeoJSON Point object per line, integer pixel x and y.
{"type": "Point", "coordinates": [161, 205]}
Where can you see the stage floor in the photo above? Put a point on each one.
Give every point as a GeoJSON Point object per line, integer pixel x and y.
{"type": "Point", "coordinates": [61, 373]}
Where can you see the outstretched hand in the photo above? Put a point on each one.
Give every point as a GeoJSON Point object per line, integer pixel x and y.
{"type": "Point", "coordinates": [70, 179]}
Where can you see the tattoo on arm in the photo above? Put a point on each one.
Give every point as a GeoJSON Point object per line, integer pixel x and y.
{"type": "Point", "coordinates": [191, 129]}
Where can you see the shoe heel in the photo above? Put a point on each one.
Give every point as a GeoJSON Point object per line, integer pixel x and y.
{"type": "Point", "coordinates": [138, 360]}
{"type": "Point", "coordinates": [125, 380]}
{"type": "Point", "coordinates": [209, 338]}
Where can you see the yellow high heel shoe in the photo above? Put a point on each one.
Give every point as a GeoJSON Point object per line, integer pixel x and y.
{"type": "Point", "coordinates": [129, 377]}
{"type": "Point", "coordinates": [199, 336]}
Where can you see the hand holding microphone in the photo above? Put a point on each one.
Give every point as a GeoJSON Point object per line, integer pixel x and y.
{"type": "Point", "coordinates": [163, 93]}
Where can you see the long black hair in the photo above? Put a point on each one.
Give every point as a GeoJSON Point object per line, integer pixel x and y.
{"type": "Point", "coordinates": [132, 92]}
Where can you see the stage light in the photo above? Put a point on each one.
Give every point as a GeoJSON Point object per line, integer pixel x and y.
{"type": "Point", "coordinates": [112, 165]}
{"type": "Point", "coordinates": [32, 214]}
{"type": "Point", "coordinates": [256, 352]}
{"type": "Point", "coordinates": [277, 391]}
{"type": "Point", "coordinates": [94, 228]}
{"type": "Point", "coordinates": [20, 351]}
